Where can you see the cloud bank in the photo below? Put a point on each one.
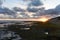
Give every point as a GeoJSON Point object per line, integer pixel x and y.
{"type": "Point", "coordinates": [33, 10]}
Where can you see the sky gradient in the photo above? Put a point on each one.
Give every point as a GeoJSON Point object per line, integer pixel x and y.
{"type": "Point", "coordinates": [19, 3]}
{"type": "Point", "coordinates": [29, 8]}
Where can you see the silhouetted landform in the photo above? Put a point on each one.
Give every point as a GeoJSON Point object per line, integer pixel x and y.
{"type": "Point", "coordinates": [39, 30]}
{"type": "Point", "coordinates": [49, 30]}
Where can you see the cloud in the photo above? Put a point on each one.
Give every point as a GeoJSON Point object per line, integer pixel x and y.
{"type": "Point", "coordinates": [6, 13]}
{"type": "Point", "coordinates": [35, 3]}
{"type": "Point", "coordinates": [57, 8]}
{"type": "Point", "coordinates": [53, 12]}
{"type": "Point", "coordinates": [22, 9]}
{"type": "Point", "coordinates": [29, 13]}
{"type": "Point", "coordinates": [22, 15]}
{"type": "Point", "coordinates": [42, 12]}
{"type": "Point", "coordinates": [32, 9]}
{"type": "Point", "coordinates": [50, 12]}
{"type": "Point", "coordinates": [26, 0]}
{"type": "Point", "coordinates": [18, 9]}
{"type": "Point", "coordinates": [29, 9]}
{"type": "Point", "coordinates": [6, 16]}
{"type": "Point", "coordinates": [1, 2]}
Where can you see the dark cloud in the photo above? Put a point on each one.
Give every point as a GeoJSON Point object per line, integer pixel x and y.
{"type": "Point", "coordinates": [55, 11]}
{"type": "Point", "coordinates": [6, 11]}
{"type": "Point", "coordinates": [32, 9]}
{"type": "Point", "coordinates": [51, 12]}
{"type": "Point", "coordinates": [35, 3]}
{"type": "Point", "coordinates": [1, 2]}
{"type": "Point", "coordinates": [26, 0]}
{"type": "Point", "coordinates": [39, 11]}
{"type": "Point", "coordinates": [57, 8]}
{"type": "Point", "coordinates": [17, 9]}
{"type": "Point", "coordinates": [24, 15]}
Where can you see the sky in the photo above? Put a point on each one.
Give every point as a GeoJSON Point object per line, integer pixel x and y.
{"type": "Point", "coordinates": [48, 4]}
{"type": "Point", "coordinates": [29, 8]}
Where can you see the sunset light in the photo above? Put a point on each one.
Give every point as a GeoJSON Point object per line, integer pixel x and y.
{"type": "Point", "coordinates": [44, 19]}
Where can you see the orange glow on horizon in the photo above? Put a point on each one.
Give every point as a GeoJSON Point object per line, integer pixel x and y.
{"type": "Point", "coordinates": [44, 19]}
{"type": "Point", "coordinates": [40, 19]}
